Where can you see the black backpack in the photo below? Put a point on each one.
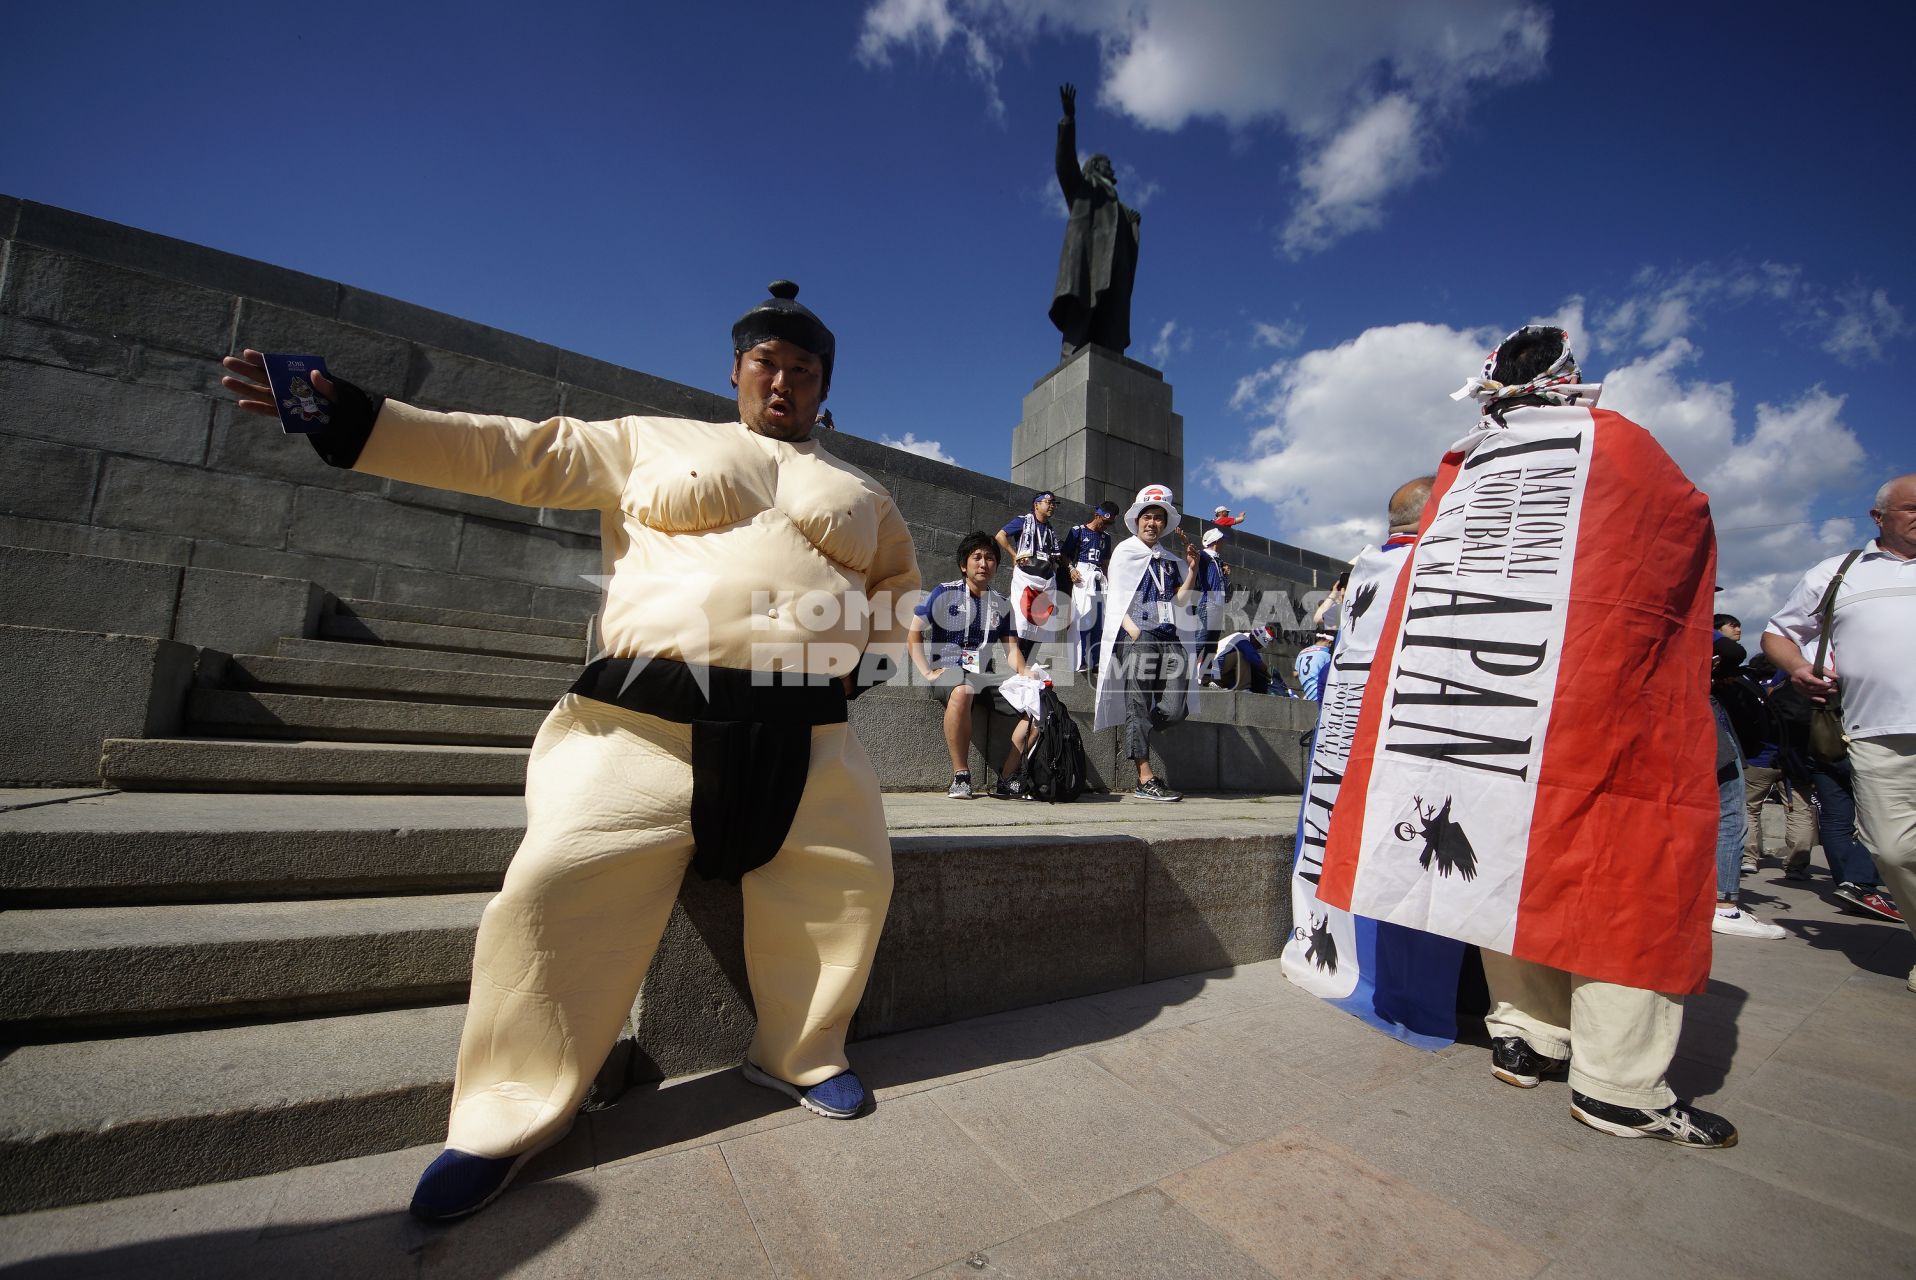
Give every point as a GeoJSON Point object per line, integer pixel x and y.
{"type": "Point", "coordinates": [1750, 713]}
{"type": "Point", "coordinates": [1790, 707]}
{"type": "Point", "coordinates": [1055, 767]}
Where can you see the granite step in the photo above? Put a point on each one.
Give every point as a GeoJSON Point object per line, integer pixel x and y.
{"type": "Point", "coordinates": [467, 618]}
{"type": "Point", "coordinates": [362, 680]}
{"type": "Point", "coordinates": [476, 664]}
{"type": "Point", "coordinates": [379, 768]}
{"type": "Point", "coordinates": [64, 971]}
{"type": "Point", "coordinates": [425, 635]}
{"type": "Point", "coordinates": [1130, 891]}
{"type": "Point", "coordinates": [133, 847]}
{"type": "Point", "coordinates": [249, 714]}
{"type": "Point", "coordinates": [100, 1118]}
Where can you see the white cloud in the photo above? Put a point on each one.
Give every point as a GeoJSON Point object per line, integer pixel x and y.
{"type": "Point", "coordinates": [1168, 342]}
{"type": "Point", "coordinates": [930, 25]}
{"type": "Point", "coordinates": [1762, 486]}
{"type": "Point", "coordinates": [1278, 337]}
{"type": "Point", "coordinates": [1379, 150]}
{"type": "Point", "coordinates": [1366, 91]}
{"type": "Point", "coordinates": [1857, 325]}
{"type": "Point", "coordinates": [1861, 323]}
{"type": "Point", "coordinates": [923, 448]}
{"type": "Point", "coordinates": [1329, 415]}
{"type": "Point", "coordinates": [1139, 191]}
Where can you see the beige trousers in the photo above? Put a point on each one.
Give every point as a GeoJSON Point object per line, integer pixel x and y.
{"type": "Point", "coordinates": [1619, 1040]}
{"type": "Point", "coordinates": [1884, 771]}
{"type": "Point", "coordinates": [564, 946]}
{"type": "Point", "coordinates": [1799, 821]}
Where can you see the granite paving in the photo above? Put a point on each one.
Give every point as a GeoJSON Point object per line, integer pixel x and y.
{"type": "Point", "coordinates": [1217, 1125]}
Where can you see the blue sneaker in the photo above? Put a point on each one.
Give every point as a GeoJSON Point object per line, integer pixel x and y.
{"type": "Point", "coordinates": [458, 1183]}
{"type": "Point", "coordinates": [839, 1098]}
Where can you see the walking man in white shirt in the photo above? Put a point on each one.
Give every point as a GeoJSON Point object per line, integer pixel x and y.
{"type": "Point", "coordinates": [1869, 661]}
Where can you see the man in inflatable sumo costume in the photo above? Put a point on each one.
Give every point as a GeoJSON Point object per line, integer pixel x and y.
{"type": "Point", "coordinates": [712, 732]}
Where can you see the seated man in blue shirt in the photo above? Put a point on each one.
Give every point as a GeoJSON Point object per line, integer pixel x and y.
{"type": "Point", "coordinates": [950, 640]}
{"type": "Point", "coordinates": [1239, 663]}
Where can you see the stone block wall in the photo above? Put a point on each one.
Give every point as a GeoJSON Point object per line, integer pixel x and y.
{"type": "Point", "coordinates": [116, 439]}
{"type": "Point", "coordinates": [134, 687]}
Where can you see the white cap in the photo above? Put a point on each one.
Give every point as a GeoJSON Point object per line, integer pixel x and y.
{"type": "Point", "coordinates": [1153, 495]}
{"type": "Point", "coordinates": [1213, 536]}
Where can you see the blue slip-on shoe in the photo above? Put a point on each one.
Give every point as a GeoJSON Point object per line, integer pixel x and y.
{"type": "Point", "coordinates": [839, 1098]}
{"type": "Point", "coordinates": [458, 1183]}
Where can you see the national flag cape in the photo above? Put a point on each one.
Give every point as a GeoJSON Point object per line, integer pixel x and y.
{"type": "Point", "coordinates": [1400, 980]}
{"type": "Point", "coordinates": [1129, 561]}
{"type": "Point", "coordinates": [1533, 768]}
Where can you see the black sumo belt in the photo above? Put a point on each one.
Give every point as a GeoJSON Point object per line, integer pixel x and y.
{"type": "Point", "coordinates": [751, 747]}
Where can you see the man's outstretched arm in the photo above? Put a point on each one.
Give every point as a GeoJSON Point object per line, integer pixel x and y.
{"type": "Point", "coordinates": [560, 462]}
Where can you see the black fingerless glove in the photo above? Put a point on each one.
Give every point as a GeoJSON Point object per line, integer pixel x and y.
{"type": "Point", "coordinates": [354, 412]}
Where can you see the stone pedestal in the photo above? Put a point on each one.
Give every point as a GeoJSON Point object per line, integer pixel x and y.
{"type": "Point", "coordinates": [1099, 426]}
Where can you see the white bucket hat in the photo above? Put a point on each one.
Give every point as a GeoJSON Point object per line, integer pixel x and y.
{"type": "Point", "coordinates": [1213, 536]}
{"type": "Point", "coordinates": [1153, 495]}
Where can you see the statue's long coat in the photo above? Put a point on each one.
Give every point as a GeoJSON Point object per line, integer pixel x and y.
{"type": "Point", "coordinates": [1099, 262]}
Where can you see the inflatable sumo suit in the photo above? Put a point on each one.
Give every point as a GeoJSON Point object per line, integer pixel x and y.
{"type": "Point", "coordinates": [668, 752]}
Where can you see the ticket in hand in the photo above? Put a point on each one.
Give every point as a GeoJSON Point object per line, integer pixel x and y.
{"type": "Point", "coordinates": [301, 408]}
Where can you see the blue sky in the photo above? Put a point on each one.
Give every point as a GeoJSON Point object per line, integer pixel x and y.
{"type": "Point", "coordinates": [1343, 206]}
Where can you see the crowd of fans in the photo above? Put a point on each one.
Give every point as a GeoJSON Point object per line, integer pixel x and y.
{"type": "Point", "coordinates": [970, 642]}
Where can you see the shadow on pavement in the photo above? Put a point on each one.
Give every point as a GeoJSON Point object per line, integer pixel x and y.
{"type": "Point", "coordinates": [1707, 1045]}
{"type": "Point", "coordinates": [1871, 945]}
{"type": "Point", "coordinates": [509, 1235]}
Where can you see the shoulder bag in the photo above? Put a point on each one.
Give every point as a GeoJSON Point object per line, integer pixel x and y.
{"type": "Point", "coordinates": [1827, 741]}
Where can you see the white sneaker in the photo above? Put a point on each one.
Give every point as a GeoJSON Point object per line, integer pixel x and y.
{"type": "Point", "coordinates": [1744, 925]}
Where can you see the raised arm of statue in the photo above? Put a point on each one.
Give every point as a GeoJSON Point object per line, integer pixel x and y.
{"type": "Point", "coordinates": [1070, 177]}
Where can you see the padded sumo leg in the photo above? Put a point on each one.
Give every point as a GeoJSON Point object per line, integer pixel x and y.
{"type": "Point", "coordinates": [563, 948]}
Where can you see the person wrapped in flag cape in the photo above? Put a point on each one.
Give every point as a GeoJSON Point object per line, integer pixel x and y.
{"type": "Point", "coordinates": [1400, 980]}
{"type": "Point", "coordinates": [1533, 766]}
{"type": "Point", "coordinates": [1149, 680]}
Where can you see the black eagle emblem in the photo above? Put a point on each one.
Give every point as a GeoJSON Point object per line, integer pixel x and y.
{"type": "Point", "coordinates": [1362, 600]}
{"type": "Point", "coordinates": [1322, 948]}
{"type": "Point", "coordinates": [1444, 841]}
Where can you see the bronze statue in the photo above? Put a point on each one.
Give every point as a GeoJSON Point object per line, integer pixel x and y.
{"type": "Point", "coordinates": [1092, 301]}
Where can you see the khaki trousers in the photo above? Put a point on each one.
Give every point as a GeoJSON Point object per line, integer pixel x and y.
{"type": "Point", "coordinates": [1884, 772]}
{"type": "Point", "coordinates": [1619, 1040]}
{"type": "Point", "coordinates": [1799, 821]}
{"type": "Point", "coordinates": [564, 946]}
